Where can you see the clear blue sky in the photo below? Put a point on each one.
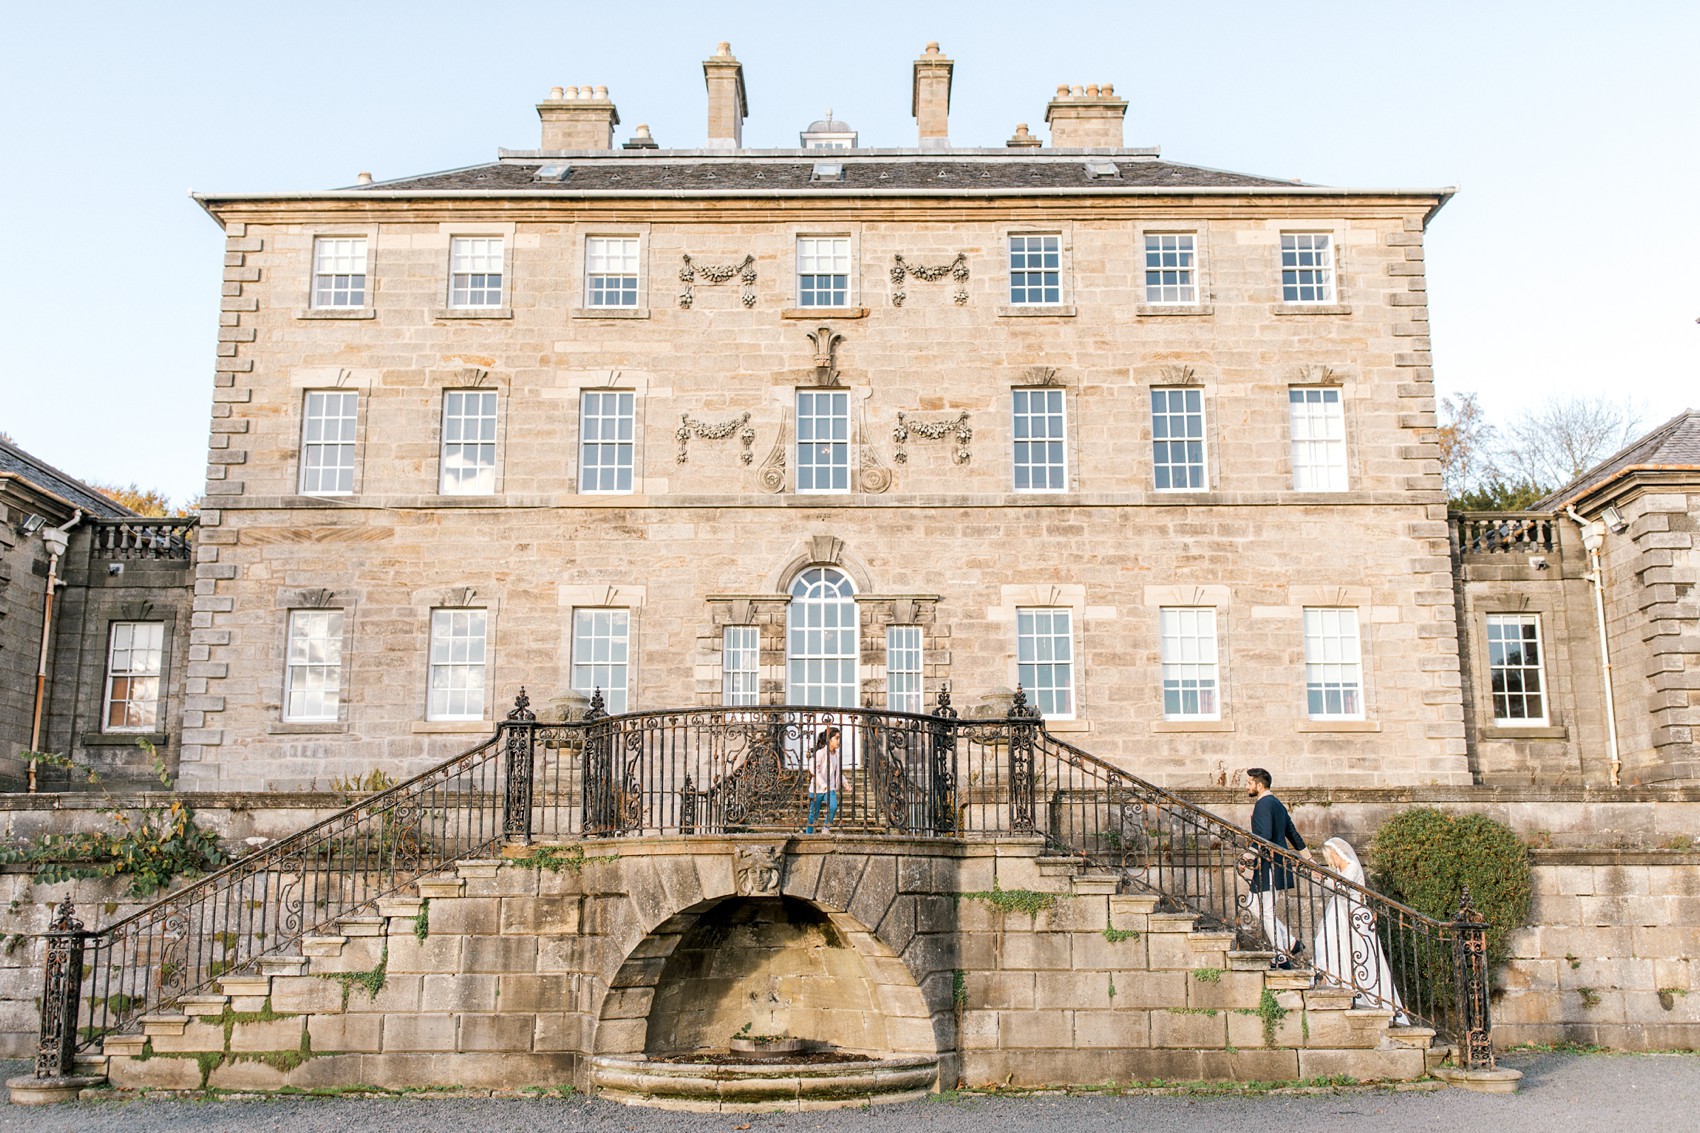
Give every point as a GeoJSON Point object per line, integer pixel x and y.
{"type": "Point", "coordinates": [1569, 262]}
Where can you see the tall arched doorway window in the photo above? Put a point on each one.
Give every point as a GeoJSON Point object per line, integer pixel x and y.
{"type": "Point", "coordinates": [821, 647]}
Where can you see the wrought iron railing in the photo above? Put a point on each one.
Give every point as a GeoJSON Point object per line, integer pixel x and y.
{"type": "Point", "coordinates": [143, 538]}
{"type": "Point", "coordinates": [1504, 533]}
{"type": "Point", "coordinates": [768, 769]}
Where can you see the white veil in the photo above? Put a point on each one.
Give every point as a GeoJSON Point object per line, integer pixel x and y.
{"type": "Point", "coordinates": [1354, 871]}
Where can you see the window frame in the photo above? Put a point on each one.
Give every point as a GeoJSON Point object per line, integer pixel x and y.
{"type": "Point", "coordinates": [1324, 664]}
{"type": "Point", "coordinates": [798, 254]}
{"type": "Point", "coordinates": [364, 275]}
{"type": "Point", "coordinates": [740, 664]}
{"type": "Point", "coordinates": [1184, 666]}
{"type": "Point", "coordinates": [131, 674]}
{"type": "Point", "coordinates": [833, 395]}
{"type": "Point", "coordinates": [501, 274]}
{"type": "Point", "coordinates": [1324, 273]}
{"type": "Point", "coordinates": [330, 691]}
{"type": "Point", "coordinates": [625, 409]}
{"type": "Point", "coordinates": [1016, 440]}
{"type": "Point", "coordinates": [636, 274]}
{"type": "Point", "coordinates": [1295, 441]}
{"type": "Point", "coordinates": [308, 447]}
{"type": "Point", "coordinates": [1038, 694]}
{"type": "Point", "coordinates": [905, 658]}
{"type": "Point", "coordinates": [444, 443]}
{"type": "Point", "coordinates": [850, 621]}
{"type": "Point", "coordinates": [1011, 270]}
{"type": "Point", "coordinates": [616, 698]}
{"type": "Point", "coordinates": [1191, 271]}
{"type": "Point", "coordinates": [1543, 691]}
{"type": "Point", "coordinates": [450, 665]}
{"type": "Point", "coordinates": [1168, 440]}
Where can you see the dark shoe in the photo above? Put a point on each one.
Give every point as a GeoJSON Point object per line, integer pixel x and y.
{"type": "Point", "coordinates": [1281, 964]}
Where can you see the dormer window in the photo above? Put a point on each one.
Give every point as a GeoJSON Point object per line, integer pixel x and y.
{"type": "Point", "coordinates": [828, 133]}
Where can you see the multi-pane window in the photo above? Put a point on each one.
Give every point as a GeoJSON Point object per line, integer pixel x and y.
{"type": "Point", "coordinates": [312, 680]}
{"type": "Point", "coordinates": [1333, 664]}
{"type": "Point", "coordinates": [1318, 424]}
{"type": "Point", "coordinates": [339, 271]}
{"type": "Point", "coordinates": [475, 271]}
{"type": "Point", "coordinates": [1040, 428]}
{"type": "Point", "coordinates": [1189, 663]}
{"type": "Point", "coordinates": [457, 665]}
{"type": "Point", "coordinates": [821, 640]}
{"type": "Point", "coordinates": [823, 440]}
{"type": "Point", "coordinates": [1177, 438]}
{"type": "Point", "coordinates": [1171, 268]}
{"type": "Point", "coordinates": [1514, 663]}
{"type": "Point", "coordinates": [823, 271]}
{"type": "Point", "coordinates": [903, 669]}
{"type": "Point", "coordinates": [132, 677]}
{"type": "Point", "coordinates": [1035, 270]}
{"type": "Point", "coordinates": [1307, 267]}
{"type": "Point", "coordinates": [611, 271]}
{"type": "Point", "coordinates": [602, 655]}
{"type": "Point", "coordinates": [1044, 658]}
{"type": "Point", "coordinates": [605, 423]}
{"type": "Point", "coordinates": [469, 442]}
{"type": "Point", "coordinates": [327, 442]}
{"type": "Point", "coordinates": [740, 664]}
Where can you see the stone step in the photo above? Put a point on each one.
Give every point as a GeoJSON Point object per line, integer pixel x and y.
{"type": "Point", "coordinates": [203, 1006]}
{"type": "Point", "coordinates": [164, 1024]}
{"type": "Point", "coordinates": [1242, 961]}
{"type": "Point", "coordinates": [1206, 940]}
{"type": "Point", "coordinates": [1328, 999]}
{"type": "Point", "coordinates": [1437, 1055]}
{"type": "Point", "coordinates": [1172, 922]}
{"type": "Point", "coordinates": [322, 945]}
{"type": "Point", "coordinates": [362, 926]}
{"type": "Point", "coordinates": [126, 1046]}
{"type": "Point", "coordinates": [282, 965]}
{"type": "Point", "coordinates": [402, 907]}
{"type": "Point", "coordinates": [1094, 884]}
{"type": "Point", "coordinates": [480, 868]}
{"type": "Point", "coordinates": [247, 993]}
{"type": "Point", "coordinates": [1296, 980]}
{"type": "Point", "coordinates": [1420, 1037]}
{"type": "Point", "coordinates": [1057, 867]}
{"type": "Point", "coordinates": [443, 885]}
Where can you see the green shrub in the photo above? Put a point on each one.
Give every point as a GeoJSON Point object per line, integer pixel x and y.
{"type": "Point", "coordinates": [1425, 858]}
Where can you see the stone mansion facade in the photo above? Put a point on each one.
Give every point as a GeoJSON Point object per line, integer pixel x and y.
{"type": "Point", "coordinates": [848, 426]}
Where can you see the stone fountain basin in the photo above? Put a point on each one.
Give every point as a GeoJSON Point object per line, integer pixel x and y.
{"type": "Point", "coordinates": [776, 1046]}
{"type": "Point", "coordinates": [637, 1079]}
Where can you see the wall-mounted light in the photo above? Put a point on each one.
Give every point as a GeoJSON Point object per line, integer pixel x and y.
{"type": "Point", "coordinates": [1614, 520]}
{"type": "Point", "coordinates": [31, 524]}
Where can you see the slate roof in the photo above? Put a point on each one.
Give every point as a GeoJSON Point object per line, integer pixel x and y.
{"type": "Point", "coordinates": [49, 479]}
{"type": "Point", "coordinates": [1675, 445]}
{"type": "Point", "coordinates": [686, 174]}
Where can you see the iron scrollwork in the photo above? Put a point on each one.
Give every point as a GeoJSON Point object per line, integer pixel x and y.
{"type": "Point", "coordinates": [519, 750]}
{"type": "Point", "coordinates": [942, 732]}
{"type": "Point", "coordinates": [1475, 1027]}
{"type": "Point", "coordinates": [61, 995]}
{"type": "Point", "coordinates": [1023, 722]}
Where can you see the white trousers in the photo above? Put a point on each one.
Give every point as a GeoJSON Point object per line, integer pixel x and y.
{"type": "Point", "coordinates": [1264, 903]}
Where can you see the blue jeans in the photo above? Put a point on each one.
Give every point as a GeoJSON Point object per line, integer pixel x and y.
{"type": "Point", "coordinates": [830, 798]}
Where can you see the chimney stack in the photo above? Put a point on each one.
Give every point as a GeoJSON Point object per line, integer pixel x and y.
{"type": "Point", "coordinates": [930, 101]}
{"type": "Point", "coordinates": [1086, 118]}
{"type": "Point", "coordinates": [578, 118]}
{"type": "Point", "coordinates": [727, 104]}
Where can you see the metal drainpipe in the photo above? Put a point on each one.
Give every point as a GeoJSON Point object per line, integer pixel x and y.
{"type": "Point", "coordinates": [1593, 538]}
{"type": "Point", "coordinates": [57, 539]}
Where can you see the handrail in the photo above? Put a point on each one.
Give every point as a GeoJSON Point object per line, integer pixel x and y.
{"type": "Point", "coordinates": [144, 538]}
{"type": "Point", "coordinates": [734, 770]}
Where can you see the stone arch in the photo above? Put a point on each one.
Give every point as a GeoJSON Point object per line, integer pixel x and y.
{"type": "Point", "coordinates": [820, 550]}
{"type": "Point", "coordinates": [814, 899]}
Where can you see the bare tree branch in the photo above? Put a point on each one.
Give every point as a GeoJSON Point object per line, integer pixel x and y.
{"type": "Point", "coordinates": [1563, 437]}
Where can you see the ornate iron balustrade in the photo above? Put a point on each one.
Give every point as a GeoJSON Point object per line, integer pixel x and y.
{"type": "Point", "coordinates": [1503, 533]}
{"type": "Point", "coordinates": [172, 539]}
{"type": "Point", "coordinates": [735, 770]}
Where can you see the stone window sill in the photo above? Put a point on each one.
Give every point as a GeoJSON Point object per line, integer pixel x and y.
{"type": "Point", "coordinates": [1164, 310]}
{"type": "Point", "coordinates": [320, 728]}
{"type": "Point", "coordinates": [1311, 309]}
{"type": "Point", "coordinates": [122, 739]}
{"type": "Point", "coordinates": [473, 313]}
{"type": "Point", "coordinates": [1339, 726]}
{"type": "Point", "coordinates": [452, 727]}
{"type": "Point", "coordinates": [1036, 311]}
{"type": "Point", "coordinates": [824, 313]}
{"type": "Point", "coordinates": [1192, 726]}
{"type": "Point", "coordinates": [610, 313]}
{"type": "Point", "coordinates": [336, 313]}
{"type": "Point", "coordinates": [1525, 732]}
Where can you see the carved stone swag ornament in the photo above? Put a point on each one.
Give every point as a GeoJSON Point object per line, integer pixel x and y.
{"type": "Point", "coordinates": [714, 274]}
{"type": "Point", "coordinates": [957, 269]}
{"type": "Point", "coordinates": [704, 431]}
{"type": "Point", "coordinates": [933, 431]}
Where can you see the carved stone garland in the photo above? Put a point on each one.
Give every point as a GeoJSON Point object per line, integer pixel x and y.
{"type": "Point", "coordinates": [957, 269]}
{"type": "Point", "coordinates": [933, 431]}
{"type": "Point", "coordinates": [703, 431]}
{"type": "Point", "coordinates": [716, 274]}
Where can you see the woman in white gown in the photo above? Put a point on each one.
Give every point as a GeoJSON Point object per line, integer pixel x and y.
{"type": "Point", "coordinates": [1347, 947]}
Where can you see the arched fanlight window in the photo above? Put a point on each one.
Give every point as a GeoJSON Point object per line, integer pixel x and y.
{"type": "Point", "coordinates": [821, 646]}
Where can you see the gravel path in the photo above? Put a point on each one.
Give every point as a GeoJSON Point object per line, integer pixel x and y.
{"type": "Point", "coordinates": [1580, 1093]}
